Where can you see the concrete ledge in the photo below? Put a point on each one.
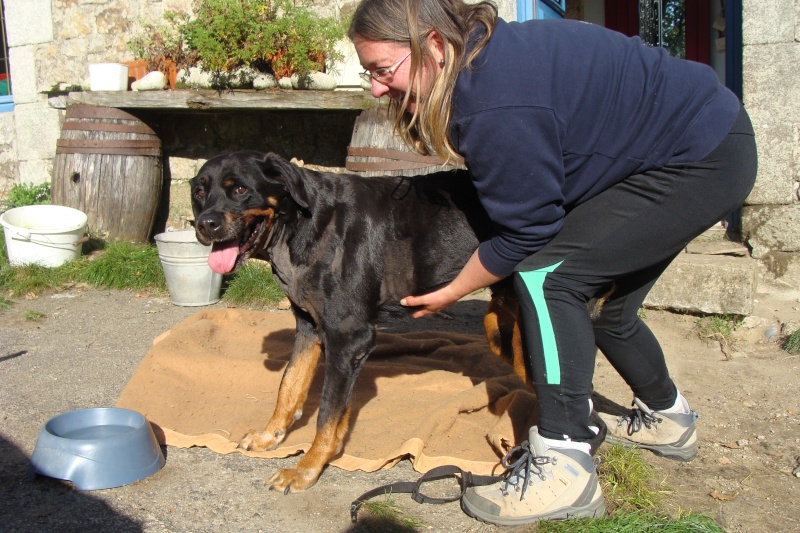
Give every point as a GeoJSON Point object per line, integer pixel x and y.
{"type": "Point", "coordinates": [706, 284]}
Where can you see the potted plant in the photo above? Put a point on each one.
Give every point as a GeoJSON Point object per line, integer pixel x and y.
{"type": "Point", "coordinates": [281, 37]}
{"type": "Point", "coordinates": [163, 46]}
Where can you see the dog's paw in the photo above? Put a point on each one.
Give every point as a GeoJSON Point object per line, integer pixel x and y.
{"type": "Point", "coordinates": [260, 441]}
{"type": "Point", "coordinates": [293, 479]}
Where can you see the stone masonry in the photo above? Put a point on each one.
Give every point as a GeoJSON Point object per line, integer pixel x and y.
{"type": "Point", "coordinates": [53, 41]}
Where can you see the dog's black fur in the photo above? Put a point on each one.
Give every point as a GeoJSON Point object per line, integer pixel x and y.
{"type": "Point", "coordinates": [345, 249]}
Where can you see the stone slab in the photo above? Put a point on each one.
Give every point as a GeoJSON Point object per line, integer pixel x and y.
{"type": "Point", "coordinates": [706, 284]}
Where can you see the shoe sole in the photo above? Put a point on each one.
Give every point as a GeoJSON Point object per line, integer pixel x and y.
{"type": "Point", "coordinates": [684, 450]}
{"type": "Point", "coordinates": [595, 509]}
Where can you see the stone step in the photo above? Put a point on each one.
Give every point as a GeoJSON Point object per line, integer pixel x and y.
{"type": "Point", "coordinates": [699, 283]}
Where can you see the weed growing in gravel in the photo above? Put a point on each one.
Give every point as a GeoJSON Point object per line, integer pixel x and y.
{"type": "Point", "coordinates": [34, 316]}
{"type": "Point", "coordinates": [387, 516]}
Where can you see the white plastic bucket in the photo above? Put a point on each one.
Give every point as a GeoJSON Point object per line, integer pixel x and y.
{"type": "Point", "coordinates": [190, 280]}
{"type": "Point", "coordinates": [49, 235]}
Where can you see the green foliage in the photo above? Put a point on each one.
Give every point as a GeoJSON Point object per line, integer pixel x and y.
{"type": "Point", "coordinates": [253, 285]}
{"type": "Point", "coordinates": [280, 35]}
{"type": "Point", "coordinates": [22, 194]}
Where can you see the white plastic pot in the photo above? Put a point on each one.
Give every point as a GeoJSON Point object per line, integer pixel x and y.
{"type": "Point", "coordinates": [190, 280]}
{"type": "Point", "coordinates": [108, 77]}
{"type": "Point", "coordinates": [49, 235]}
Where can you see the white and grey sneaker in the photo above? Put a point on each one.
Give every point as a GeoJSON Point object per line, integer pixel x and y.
{"type": "Point", "coordinates": [670, 433]}
{"type": "Point", "coordinates": [545, 479]}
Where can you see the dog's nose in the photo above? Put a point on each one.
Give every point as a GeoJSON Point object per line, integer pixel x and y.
{"type": "Point", "coordinates": [210, 224]}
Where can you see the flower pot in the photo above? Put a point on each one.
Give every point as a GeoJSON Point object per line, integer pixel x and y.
{"type": "Point", "coordinates": [170, 70]}
{"type": "Point", "coordinates": [137, 69]}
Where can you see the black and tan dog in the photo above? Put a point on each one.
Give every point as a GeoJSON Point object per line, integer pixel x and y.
{"type": "Point", "coordinates": [345, 249]}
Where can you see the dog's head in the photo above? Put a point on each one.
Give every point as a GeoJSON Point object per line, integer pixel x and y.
{"type": "Point", "coordinates": [237, 198]}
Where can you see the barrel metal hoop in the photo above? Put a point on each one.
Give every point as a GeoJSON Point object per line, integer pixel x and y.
{"type": "Point", "coordinates": [90, 111]}
{"type": "Point", "coordinates": [398, 155]}
{"type": "Point", "coordinates": [108, 126]}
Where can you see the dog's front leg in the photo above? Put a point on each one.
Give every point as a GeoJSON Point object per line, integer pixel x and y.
{"type": "Point", "coordinates": [345, 355]}
{"type": "Point", "coordinates": [293, 391]}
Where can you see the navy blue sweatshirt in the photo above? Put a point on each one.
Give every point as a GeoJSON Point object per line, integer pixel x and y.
{"type": "Point", "coordinates": [553, 112]}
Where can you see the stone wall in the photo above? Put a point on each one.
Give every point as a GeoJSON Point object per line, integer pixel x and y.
{"type": "Point", "coordinates": [771, 92]}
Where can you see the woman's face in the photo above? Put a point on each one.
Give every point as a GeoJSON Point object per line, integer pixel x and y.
{"type": "Point", "coordinates": [378, 56]}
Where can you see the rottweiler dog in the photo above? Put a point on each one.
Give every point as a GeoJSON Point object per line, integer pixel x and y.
{"type": "Point", "coordinates": [345, 249]}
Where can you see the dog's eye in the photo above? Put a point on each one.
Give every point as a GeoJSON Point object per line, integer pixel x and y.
{"type": "Point", "coordinates": [239, 190]}
{"type": "Point", "coordinates": [199, 194]}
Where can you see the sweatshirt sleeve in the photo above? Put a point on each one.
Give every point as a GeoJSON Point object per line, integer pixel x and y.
{"type": "Point", "coordinates": [515, 158]}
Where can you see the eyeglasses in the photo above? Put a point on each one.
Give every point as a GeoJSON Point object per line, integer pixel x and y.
{"type": "Point", "coordinates": [383, 75]}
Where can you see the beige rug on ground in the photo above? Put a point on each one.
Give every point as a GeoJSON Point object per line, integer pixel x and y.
{"type": "Point", "coordinates": [437, 398]}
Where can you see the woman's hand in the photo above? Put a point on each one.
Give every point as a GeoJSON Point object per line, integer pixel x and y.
{"type": "Point", "coordinates": [471, 278]}
{"type": "Point", "coordinates": [431, 303]}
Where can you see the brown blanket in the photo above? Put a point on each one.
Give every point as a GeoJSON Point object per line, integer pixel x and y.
{"type": "Point", "coordinates": [438, 398]}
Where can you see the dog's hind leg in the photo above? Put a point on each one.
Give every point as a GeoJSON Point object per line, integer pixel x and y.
{"type": "Point", "coordinates": [502, 327]}
{"type": "Point", "coordinates": [346, 352]}
{"type": "Point", "coordinates": [293, 390]}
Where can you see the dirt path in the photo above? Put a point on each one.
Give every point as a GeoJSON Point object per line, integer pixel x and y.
{"type": "Point", "coordinates": [82, 353]}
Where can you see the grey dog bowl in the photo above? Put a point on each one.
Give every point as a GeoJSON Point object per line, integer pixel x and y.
{"type": "Point", "coordinates": [97, 448]}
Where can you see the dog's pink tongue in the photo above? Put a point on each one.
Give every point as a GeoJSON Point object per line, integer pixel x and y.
{"type": "Point", "coordinates": [223, 256]}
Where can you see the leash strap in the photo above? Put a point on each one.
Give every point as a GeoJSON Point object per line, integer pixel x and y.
{"type": "Point", "coordinates": [465, 479]}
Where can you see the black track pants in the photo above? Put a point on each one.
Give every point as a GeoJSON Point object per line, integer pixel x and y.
{"type": "Point", "coordinates": [627, 236]}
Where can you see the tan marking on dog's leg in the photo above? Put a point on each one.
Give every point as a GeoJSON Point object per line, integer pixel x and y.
{"type": "Point", "coordinates": [292, 395]}
{"type": "Point", "coordinates": [520, 366]}
{"type": "Point", "coordinates": [327, 444]}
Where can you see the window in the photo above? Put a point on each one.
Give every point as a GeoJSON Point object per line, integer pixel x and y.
{"type": "Point", "coordinates": [6, 101]}
{"type": "Point", "coordinates": [540, 9]}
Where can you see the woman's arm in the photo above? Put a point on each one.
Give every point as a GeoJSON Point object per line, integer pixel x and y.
{"type": "Point", "coordinates": [471, 278]}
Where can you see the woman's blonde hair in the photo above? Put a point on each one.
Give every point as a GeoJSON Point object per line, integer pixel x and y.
{"type": "Point", "coordinates": [410, 22]}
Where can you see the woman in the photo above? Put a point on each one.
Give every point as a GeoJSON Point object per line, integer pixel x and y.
{"type": "Point", "coordinates": [598, 159]}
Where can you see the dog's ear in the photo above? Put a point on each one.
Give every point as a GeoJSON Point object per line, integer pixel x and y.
{"type": "Point", "coordinates": [292, 176]}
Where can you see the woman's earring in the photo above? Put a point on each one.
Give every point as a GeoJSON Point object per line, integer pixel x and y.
{"type": "Point", "coordinates": [441, 62]}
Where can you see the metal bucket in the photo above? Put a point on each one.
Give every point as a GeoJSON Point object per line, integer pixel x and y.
{"type": "Point", "coordinates": [190, 280]}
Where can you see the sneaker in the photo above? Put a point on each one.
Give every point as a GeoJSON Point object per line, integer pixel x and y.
{"type": "Point", "coordinates": [665, 433]}
{"type": "Point", "coordinates": [543, 481]}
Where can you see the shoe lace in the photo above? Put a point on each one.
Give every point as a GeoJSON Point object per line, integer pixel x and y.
{"type": "Point", "coordinates": [639, 416]}
{"type": "Point", "coordinates": [519, 463]}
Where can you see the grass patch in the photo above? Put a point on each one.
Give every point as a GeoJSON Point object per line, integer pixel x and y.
{"type": "Point", "coordinates": [253, 285]}
{"type": "Point", "coordinates": [629, 482]}
{"type": "Point", "coordinates": [636, 522]}
{"type": "Point", "coordinates": [128, 266]}
{"type": "Point", "coordinates": [123, 265]}
{"type": "Point", "coordinates": [792, 343]}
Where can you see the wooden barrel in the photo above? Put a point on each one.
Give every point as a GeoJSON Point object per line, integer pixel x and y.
{"type": "Point", "coordinates": [375, 150]}
{"type": "Point", "coordinates": [108, 164]}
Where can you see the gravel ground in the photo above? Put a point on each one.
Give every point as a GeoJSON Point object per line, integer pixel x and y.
{"type": "Point", "coordinates": [89, 343]}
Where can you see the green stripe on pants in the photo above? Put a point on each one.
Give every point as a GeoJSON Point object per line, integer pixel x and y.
{"type": "Point", "coordinates": [534, 282]}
